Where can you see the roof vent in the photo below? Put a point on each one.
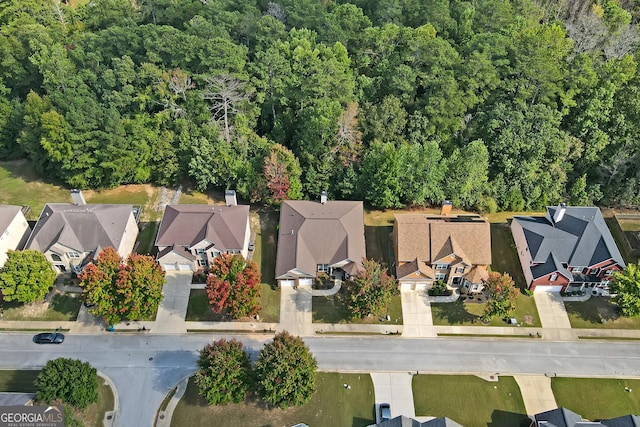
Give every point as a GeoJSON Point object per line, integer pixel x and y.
{"type": "Point", "coordinates": [230, 198]}
{"type": "Point", "coordinates": [323, 197]}
{"type": "Point", "coordinates": [77, 197]}
{"type": "Point", "coordinates": [560, 211]}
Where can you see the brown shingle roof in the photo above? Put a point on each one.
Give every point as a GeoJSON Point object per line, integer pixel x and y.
{"type": "Point", "coordinates": [312, 233]}
{"type": "Point", "coordinates": [430, 238]}
{"type": "Point", "coordinates": [411, 269]}
{"type": "Point", "coordinates": [187, 225]}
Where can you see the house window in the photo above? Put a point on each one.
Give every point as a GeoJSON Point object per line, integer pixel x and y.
{"type": "Point", "coordinates": [202, 262]}
{"type": "Point", "coordinates": [56, 257]}
{"type": "Point", "coordinates": [576, 270]}
{"type": "Point", "coordinates": [475, 287]}
{"type": "Point", "coordinates": [323, 268]}
{"type": "Point", "coordinates": [609, 272]}
{"type": "Point", "coordinates": [595, 271]}
{"type": "Point", "coordinates": [199, 251]}
{"type": "Point", "coordinates": [440, 276]}
{"type": "Point", "coordinates": [553, 277]}
{"type": "Point", "coordinates": [73, 255]}
{"type": "Point", "coordinates": [460, 270]}
{"type": "Point", "coordinates": [441, 266]}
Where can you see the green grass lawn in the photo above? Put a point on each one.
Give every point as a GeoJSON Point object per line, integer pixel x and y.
{"type": "Point", "coordinates": [198, 309]}
{"type": "Point", "coordinates": [332, 405]}
{"type": "Point", "coordinates": [266, 245]}
{"type": "Point", "coordinates": [18, 381]}
{"type": "Point", "coordinates": [599, 312]}
{"type": "Point", "coordinates": [378, 244]}
{"type": "Point", "coordinates": [469, 400]}
{"type": "Point", "coordinates": [21, 186]}
{"type": "Point", "coordinates": [503, 254]}
{"type": "Point", "coordinates": [620, 241]}
{"type": "Point", "coordinates": [460, 313]}
{"type": "Point", "coordinates": [63, 307]}
{"type": "Point", "coordinates": [147, 238]}
{"type": "Point", "coordinates": [145, 195]}
{"type": "Point", "coordinates": [333, 310]}
{"type": "Point", "coordinates": [597, 398]}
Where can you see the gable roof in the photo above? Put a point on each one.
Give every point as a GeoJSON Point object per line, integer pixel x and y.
{"type": "Point", "coordinates": [187, 225]}
{"type": "Point", "coordinates": [313, 233]}
{"type": "Point", "coordinates": [83, 228]}
{"type": "Point", "coordinates": [430, 238]}
{"type": "Point", "coordinates": [561, 417]}
{"type": "Point", "coordinates": [580, 239]}
{"type": "Point", "coordinates": [416, 270]}
{"type": "Point", "coordinates": [7, 214]}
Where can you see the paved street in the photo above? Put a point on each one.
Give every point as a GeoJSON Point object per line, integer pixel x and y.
{"type": "Point", "coordinates": [145, 367]}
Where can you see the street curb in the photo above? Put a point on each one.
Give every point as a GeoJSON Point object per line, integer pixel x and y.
{"type": "Point", "coordinates": [167, 414]}
{"type": "Point", "coordinates": [106, 422]}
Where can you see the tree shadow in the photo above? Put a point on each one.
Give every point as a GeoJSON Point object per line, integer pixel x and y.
{"type": "Point", "coordinates": [454, 313]}
{"type": "Point", "coordinates": [361, 422]}
{"type": "Point", "coordinates": [67, 305]}
{"type": "Point", "coordinates": [595, 310]}
{"type": "Point", "coordinates": [501, 418]}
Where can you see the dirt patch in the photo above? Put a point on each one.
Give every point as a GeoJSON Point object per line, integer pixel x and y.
{"type": "Point", "coordinates": [527, 319]}
{"type": "Point", "coordinates": [35, 309]}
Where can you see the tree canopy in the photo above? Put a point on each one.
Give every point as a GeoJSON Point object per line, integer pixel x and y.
{"type": "Point", "coordinates": [233, 286]}
{"type": "Point", "coordinates": [626, 286]}
{"type": "Point", "coordinates": [501, 295]}
{"type": "Point", "coordinates": [120, 289]}
{"type": "Point", "coordinates": [70, 380]}
{"type": "Point", "coordinates": [493, 104]}
{"type": "Point", "coordinates": [371, 291]}
{"type": "Point", "coordinates": [26, 276]}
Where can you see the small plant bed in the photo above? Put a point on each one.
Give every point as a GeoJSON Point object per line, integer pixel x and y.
{"type": "Point", "coordinates": [599, 312]}
{"type": "Point", "coordinates": [468, 313]}
{"type": "Point", "coordinates": [332, 309]}
{"type": "Point", "coordinates": [469, 400]}
{"type": "Point", "coordinates": [323, 282]}
{"type": "Point", "coordinates": [598, 398]}
{"type": "Point", "coordinates": [199, 310]}
{"type": "Point", "coordinates": [62, 307]}
{"type": "Point", "coordinates": [331, 405]}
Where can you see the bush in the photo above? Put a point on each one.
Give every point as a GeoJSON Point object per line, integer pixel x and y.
{"type": "Point", "coordinates": [70, 380]}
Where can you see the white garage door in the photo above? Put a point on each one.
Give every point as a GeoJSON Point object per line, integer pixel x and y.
{"type": "Point", "coordinates": [184, 267]}
{"type": "Point", "coordinates": [284, 283]}
{"type": "Point", "coordinates": [169, 267]}
{"type": "Point", "coordinates": [305, 282]}
{"type": "Point", "coordinates": [548, 289]}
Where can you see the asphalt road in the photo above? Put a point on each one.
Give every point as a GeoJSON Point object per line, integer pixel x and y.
{"type": "Point", "coordinates": [145, 367]}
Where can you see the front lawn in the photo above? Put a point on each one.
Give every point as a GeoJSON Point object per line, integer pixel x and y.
{"type": "Point", "coordinates": [599, 312]}
{"type": "Point", "coordinates": [332, 405]}
{"type": "Point", "coordinates": [504, 257]}
{"type": "Point", "coordinates": [18, 381]}
{"type": "Point", "coordinates": [596, 398]}
{"type": "Point", "coordinates": [199, 310]}
{"type": "Point", "coordinates": [469, 400]}
{"type": "Point", "coordinates": [461, 313]}
{"type": "Point", "coordinates": [63, 307]}
{"type": "Point", "coordinates": [332, 309]}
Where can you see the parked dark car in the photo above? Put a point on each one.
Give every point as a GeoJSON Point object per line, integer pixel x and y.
{"type": "Point", "coordinates": [384, 412]}
{"type": "Point", "coordinates": [252, 246]}
{"type": "Point", "coordinates": [48, 338]}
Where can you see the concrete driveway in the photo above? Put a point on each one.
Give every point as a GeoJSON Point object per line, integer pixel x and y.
{"type": "Point", "coordinates": [553, 316]}
{"type": "Point", "coordinates": [536, 392]}
{"type": "Point", "coordinates": [395, 389]}
{"type": "Point", "coordinates": [416, 315]}
{"type": "Point", "coordinates": [173, 307]}
{"type": "Point", "coordinates": [295, 310]}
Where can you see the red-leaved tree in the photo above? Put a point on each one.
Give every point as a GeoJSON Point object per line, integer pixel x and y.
{"type": "Point", "coordinates": [233, 286]}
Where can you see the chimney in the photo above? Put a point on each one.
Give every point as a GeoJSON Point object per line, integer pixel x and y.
{"type": "Point", "coordinates": [447, 206]}
{"type": "Point", "coordinates": [560, 211]}
{"type": "Point", "coordinates": [77, 197]}
{"type": "Point", "coordinates": [323, 197]}
{"type": "Point", "coordinates": [230, 198]}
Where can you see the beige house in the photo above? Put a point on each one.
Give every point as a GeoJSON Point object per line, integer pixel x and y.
{"type": "Point", "coordinates": [71, 236]}
{"type": "Point", "coordinates": [319, 237]}
{"type": "Point", "coordinates": [14, 230]}
{"type": "Point", "coordinates": [452, 248]}
{"type": "Point", "coordinates": [190, 236]}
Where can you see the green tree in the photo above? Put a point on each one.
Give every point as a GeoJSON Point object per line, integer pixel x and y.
{"type": "Point", "coordinates": [380, 175]}
{"type": "Point", "coordinates": [70, 380]}
{"type": "Point", "coordinates": [233, 286]}
{"type": "Point", "coordinates": [26, 276]}
{"type": "Point", "coordinates": [626, 285]}
{"type": "Point", "coordinates": [286, 372]}
{"type": "Point", "coordinates": [122, 290]}
{"type": "Point", "coordinates": [371, 291]}
{"type": "Point", "coordinates": [466, 181]}
{"type": "Point", "coordinates": [225, 372]}
{"type": "Point", "coordinates": [501, 296]}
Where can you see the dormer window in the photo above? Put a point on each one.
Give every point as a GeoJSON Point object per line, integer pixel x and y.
{"type": "Point", "coordinates": [73, 255]}
{"type": "Point", "coordinates": [441, 266]}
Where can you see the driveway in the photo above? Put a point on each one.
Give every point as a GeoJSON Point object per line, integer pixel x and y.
{"type": "Point", "coordinates": [395, 389]}
{"type": "Point", "coordinates": [295, 310]}
{"type": "Point", "coordinates": [173, 307]}
{"type": "Point", "coordinates": [553, 316]}
{"type": "Point", "coordinates": [536, 392]}
{"type": "Point", "coordinates": [416, 315]}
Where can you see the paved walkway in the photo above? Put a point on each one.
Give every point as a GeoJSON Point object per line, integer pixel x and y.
{"type": "Point", "coordinates": [553, 316]}
{"type": "Point", "coordinates": [416, 315]}
{"type": "Point", "coordinates": [536, 393]}
{"type": "Point", "coordinates": [173, 307]}
{"type": "Point", "coordinates": [295, 310]}
{"type": "Point", "coordinates": [395, 389]}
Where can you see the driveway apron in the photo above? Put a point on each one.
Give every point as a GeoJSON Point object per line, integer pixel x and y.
{"type": "Point", "coordinates": [173, 307]}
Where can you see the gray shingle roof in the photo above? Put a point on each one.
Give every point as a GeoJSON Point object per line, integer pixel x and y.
{"type": "Point", "coordinates": [403, 421]}
{"type": "Point", "coordinates": [313, 233]}
{"type": "Point", "coordinates": [7, 214]}
{"type": "Point", "coordinates": [83, 228]}
{"type": "Point", "coordinates": [624, 421]}
{"type": "Point", "coordinates": [187, 225]}
{"type": "Point", "coordinates": [580, 239]}
{"type": "Point", "coordinates": [560, 417]}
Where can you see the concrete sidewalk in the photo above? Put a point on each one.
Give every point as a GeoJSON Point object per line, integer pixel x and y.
{"type": "Point", "coordinates": [536, 392]}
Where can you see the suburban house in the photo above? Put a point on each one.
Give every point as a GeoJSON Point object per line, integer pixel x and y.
{"type": "Point", "coordinates": [14, 230]}
{"type": "Point", "coordinates": [190, 236]}
{"type": "Point", "coordinates": [562, 417]}
{"type": "Point", "coordinates": [403, 421]}
{"type": "Point", "coordinates": [454, 249]}
{"type": "Point", "coordinates": [569, 246]}
{"type": "Point", "coordinates": [325, 237]}
{"type": "Point", "coordinates": [72, 235]}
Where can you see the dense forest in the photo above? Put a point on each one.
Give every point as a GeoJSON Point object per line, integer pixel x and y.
{"type": "Point", "coordinates": [495, 104]}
